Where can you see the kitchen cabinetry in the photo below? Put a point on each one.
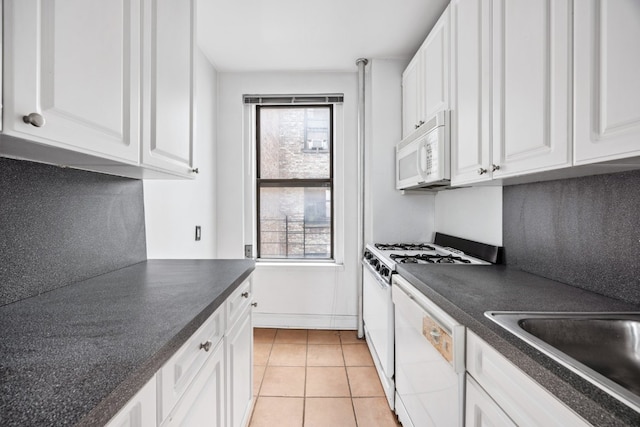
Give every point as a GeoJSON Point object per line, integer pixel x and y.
{"type": "Point", "coordinates": [425, 81]}
{"type": "Point", "coordinates": [412, 83]}
{"type": "Point", "coordinates": [203, 403]}
{"type": "Point", "coordinates": [470, 83]}
{"type": "Point", "coordinates": [607, 88]}
{"type": "Point", "coordinates": [515, 394]}
{"type": "Point", "coordinates": [209, 380]}
{"type": "Point", "coordinates": [481, 410]}
{"type": "Point", "coordinates": [239, 363]}
{"type": "Point", "coordinates": [74, 66]}
{"type": "Point", "coordinates": [180, 371]}
{"type": "Point", "coordinates": [168, 86]}
{"type": "Point", "coordinates": [140, 411]}
{"type": "Point", "coordinates": [103, 86]}
{"type": "Point", "coordinates": [511, 99]}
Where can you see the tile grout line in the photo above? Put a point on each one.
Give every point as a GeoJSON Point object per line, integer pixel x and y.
{"type": "Point", "coordinates": [346, 372]}
{"type": "Point", "coordinates": [304, 391]}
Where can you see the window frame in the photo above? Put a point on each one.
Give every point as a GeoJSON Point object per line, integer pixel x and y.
{"type": "Point", "coordinates": [296, 182]}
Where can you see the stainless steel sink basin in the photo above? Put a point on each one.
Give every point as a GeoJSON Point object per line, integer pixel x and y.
{"type": "Point", "coordinates": [603, 348]}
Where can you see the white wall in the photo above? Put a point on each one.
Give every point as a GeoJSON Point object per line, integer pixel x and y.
{"type": "Point", "coordinates": [472, 213]}
{"type": "Point", "coordinates": [390, 216]}
{"type": "Point", "coordinates": [323, 296]}
{"type": "Point", "coordinates": [174, 208]}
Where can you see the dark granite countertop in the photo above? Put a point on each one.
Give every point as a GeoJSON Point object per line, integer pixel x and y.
{"type": "Point", "coordinates": [466, 292]}
{"type": "Point", "coordinates": [77, 354]}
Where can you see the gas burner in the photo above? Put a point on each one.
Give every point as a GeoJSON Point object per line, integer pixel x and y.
{"type": "Point", "coordinates": [404, 259]}
{"type": "Point", "coordinates": [404, 247]}
{"type": "Point", "coordinates": [428, 258]}
{"type": "Point", "coordinates": [446, 259]}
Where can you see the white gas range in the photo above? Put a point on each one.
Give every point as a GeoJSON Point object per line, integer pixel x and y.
{"type": "Point", "coordinates": [379, 261]}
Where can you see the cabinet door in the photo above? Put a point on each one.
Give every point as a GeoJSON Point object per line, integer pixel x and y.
{"type": "Point", "coordinates": [76, 64]}
{"type": "Point", "coordinates": [140, 411]}
{"type": "Point", "coordinates": [606, 84]}
{"type": "Point", "coordinates": [531, 86]}
{"type": "Point", "coordinates": [411, 85]}
{"type": "Point", "coordinates": [481, 410]}
{"type": "Point", "coordinates": [437, 50]}
{"type": "Point", "coordinates": [239, 343]}
{"type": "Point", "coordinates": [177, 374]}
{"type": "Point", "coordinates": [203, 403]}
{"type": "Point", "coordinates": [519, 396]}
{"type": "Point", "coordinates": [470, 103]}
{"type": "Point", "coordinates": [168, 92]}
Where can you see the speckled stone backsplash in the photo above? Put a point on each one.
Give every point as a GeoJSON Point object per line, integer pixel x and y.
{"type": "Point", "coordinates": [59, 226]}
{"type": "Point", "coordinates": [584, 232]}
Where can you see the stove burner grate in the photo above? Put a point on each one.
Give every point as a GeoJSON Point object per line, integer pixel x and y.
{"type": "Point", "coordinates": [433, 259]}
{"type": "Point", "coordinates": [404, 247]}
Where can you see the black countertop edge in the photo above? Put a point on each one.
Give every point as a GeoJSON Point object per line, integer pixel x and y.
{"type": "Point", "coordinates": [117, 399]}
{"type": "Point", "coordinates": [585, 399]}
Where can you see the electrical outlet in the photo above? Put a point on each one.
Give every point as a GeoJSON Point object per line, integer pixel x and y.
{"type": "Point", "coordinates": [198, 233]}
{"type": "Point", "coordinates": [248, 251]}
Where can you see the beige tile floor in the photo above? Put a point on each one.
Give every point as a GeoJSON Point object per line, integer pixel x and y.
{"type": "Point", "coordinates": [316, 378]}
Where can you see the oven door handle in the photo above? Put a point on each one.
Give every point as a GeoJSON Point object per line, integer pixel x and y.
{"type": "Point", "coordinates": [382, 283]}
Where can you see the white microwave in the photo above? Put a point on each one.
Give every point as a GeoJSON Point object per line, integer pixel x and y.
{"type": "Point", "coordinates": [422, 159]}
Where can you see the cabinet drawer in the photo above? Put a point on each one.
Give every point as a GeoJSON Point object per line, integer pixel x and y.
{"type": "Point", "coordinates": [238, 301]}
{"type": "Point", "coordinates": [520, 397]}
{"type": "Point", "coordinates": [176, 375]}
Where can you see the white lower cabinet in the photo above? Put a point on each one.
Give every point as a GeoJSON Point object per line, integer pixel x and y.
{"type": "Point", "coordinates": [239, 345]}
{"type": "Point", "coordinates": [208, 381]}
{"type": "Point", "coordinates": [203, 402]}
{"type": "Point", "coordinates": [140, 411]}
{"type": "Point", "coordinates": [481, 410]}
{"type": "Point", "coordinates": [510, 392]}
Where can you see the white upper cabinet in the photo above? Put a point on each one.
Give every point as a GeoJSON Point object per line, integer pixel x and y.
{"type": "Point", "coordinates": [412, 103]}
{"type": "Point", "coordinates": [531, 85]}
{"type": "Point", "coordinates": [607, 86]}
{"type": "Point", "coordinates": [470, 84]}
{"type": "Point", "coordinates": [74, 67]}
{"type": "Point", "coordinates": [101, 85]}
{"type": "Point", "coordinates": [436, 50]}
{"type": "Point", "coordinates": [168, 91]}
{"type": "Point", "coordinates": [425, 81]}
{"type": "Point", "coordinates": [511, 100]}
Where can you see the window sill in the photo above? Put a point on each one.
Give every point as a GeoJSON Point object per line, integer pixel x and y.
{"type": "Point", "coordinates": [268, 265]}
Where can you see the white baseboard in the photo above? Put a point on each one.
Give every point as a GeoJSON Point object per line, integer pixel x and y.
{"type": "Point", "coordinates": [305, 321]}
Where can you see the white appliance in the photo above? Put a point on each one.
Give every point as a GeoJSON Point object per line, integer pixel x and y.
{"type": "Point", "coordinates": [422, 160]}
{"type": "Point", "coordinates": [379, 261]}
{"type": "Point", "coordinates": [430, 365]}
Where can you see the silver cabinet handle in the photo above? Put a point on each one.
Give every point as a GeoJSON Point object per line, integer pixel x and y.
{"type": "Point", "coordinates": [245, 294]}
{"type": "Point", "coordinates": [482, 171]}
{"type": "Point", "coordinates": [34, 119]}
{"type": "Point", "coordinates": [495, 168]}
{"type": "Point", "coordinates": [254, 304]}
{"type": "Point", "coordinates": [206, 345]}
{"type": "Point", "coordinates": [416, 126]}
{"type": "Point", "coordinates": [195, 170]}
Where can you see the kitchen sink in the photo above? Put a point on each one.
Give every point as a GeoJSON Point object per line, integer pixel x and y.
{"type": "Point", "coordinates": [603, 348]}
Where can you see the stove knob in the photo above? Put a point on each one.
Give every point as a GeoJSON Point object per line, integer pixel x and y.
{"type": "Point", "coordinates": [384, 271]}
{"type": "Point", "coordinates": [375, 263]}
{"type": "Point", "coordinates": [367, 255]}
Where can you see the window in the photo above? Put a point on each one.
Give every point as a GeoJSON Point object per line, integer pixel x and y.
{"type": "Point", "coordinates": [294, 181]}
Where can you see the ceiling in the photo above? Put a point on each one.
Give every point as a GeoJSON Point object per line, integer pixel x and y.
{"type": "Point", "coordinates": [311, 35]}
